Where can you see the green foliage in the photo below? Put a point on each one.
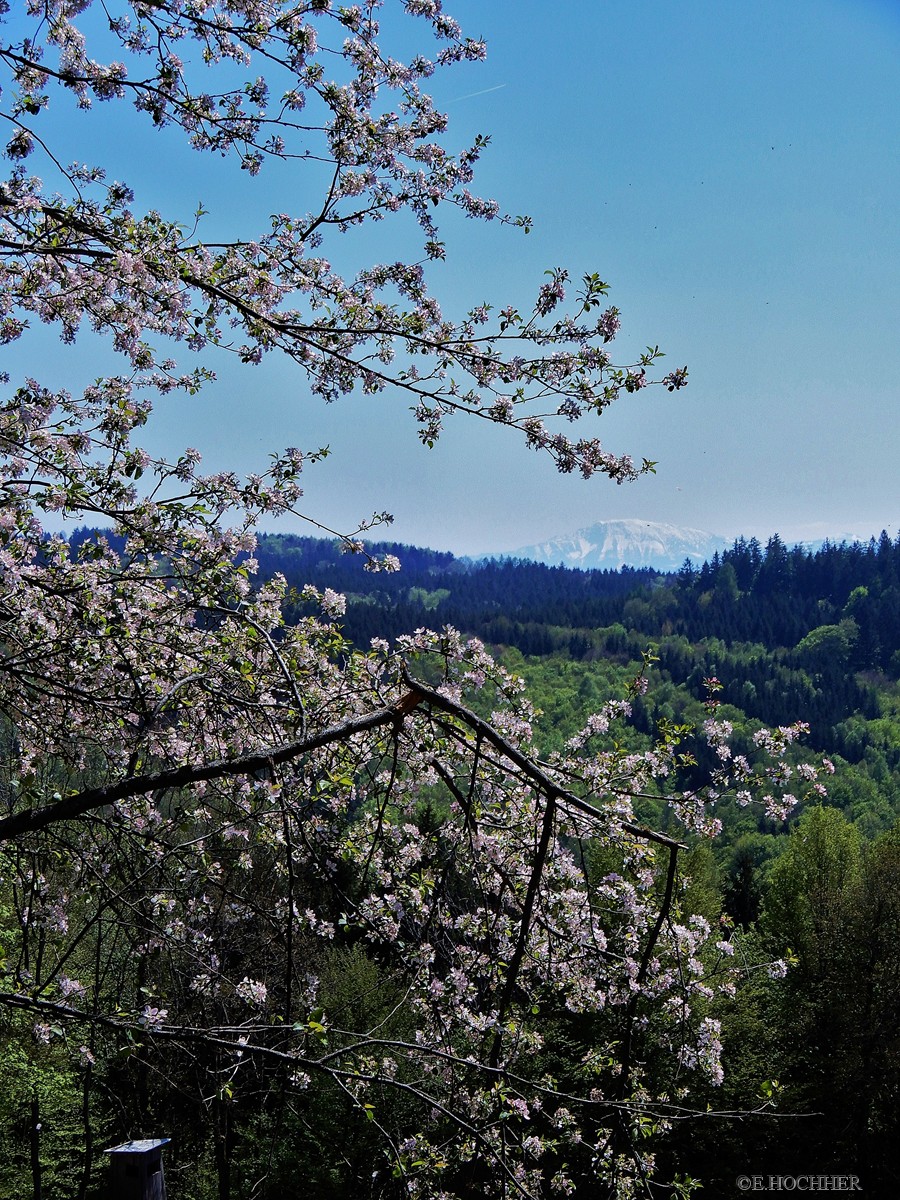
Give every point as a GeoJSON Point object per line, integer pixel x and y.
{"type": "Point", "coordinates": [428, 600]}
{"type": "Point", "coordinates": [834, 901]}
{"type": "Point", "coordinates": [39, 1086]}
{"type": "Point", "coordinates": [566, 692]}
{"type": "Point", "coordinates": [317, 1132]}
{"type": "Point", "coordinates": [814, 886]}
{"type": "Point", "coordinates": [828, 646]}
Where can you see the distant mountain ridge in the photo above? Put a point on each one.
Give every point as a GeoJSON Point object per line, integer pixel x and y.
{"type": "Point", "coordinates": [608, 545]}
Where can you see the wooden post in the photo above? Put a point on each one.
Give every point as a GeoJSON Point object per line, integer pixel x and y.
{"type": "Point", "coordinates": [136, 1170]}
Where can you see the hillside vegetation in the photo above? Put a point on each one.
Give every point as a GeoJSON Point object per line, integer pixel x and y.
{"type": "Point", "coordinates": [812, 1048]}
{"type": "Point", "coordinates": [791, 634]}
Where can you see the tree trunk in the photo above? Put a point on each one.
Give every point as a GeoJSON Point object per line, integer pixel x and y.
{"type": "Point", "coordinates": [223, 1146]}
{"type": "Point", "coordinates": [36, 1145]}
{"type": "Point", "coordinates": [88, 1136]}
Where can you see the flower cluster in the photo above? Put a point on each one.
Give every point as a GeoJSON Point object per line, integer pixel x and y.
{"type": "Point", "coordinates": [80, 253]}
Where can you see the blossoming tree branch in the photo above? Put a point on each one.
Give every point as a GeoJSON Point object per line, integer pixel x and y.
{"type": "Point", "coordinates": [204, 809]}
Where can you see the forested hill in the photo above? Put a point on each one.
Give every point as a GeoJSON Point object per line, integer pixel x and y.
{"type": "Point", "coordinates": [502, 600]}
{"type": "Point", "coordinates": [836, 606]}
{"type": "Point", "coordinates": [839, 604]}
{"type": "Point", "coordinates": [792, 633]}
{"type": "Point", "coordinates": [778, 596]}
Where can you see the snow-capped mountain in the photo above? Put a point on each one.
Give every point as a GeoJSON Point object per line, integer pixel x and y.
{"type": "Point", "coordinates": [633, 543]}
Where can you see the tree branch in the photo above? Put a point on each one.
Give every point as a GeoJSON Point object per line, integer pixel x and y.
{"type": "Point", "coordinates": [544, 782]}
{"type": "Point", "coordinates": [246, 764]}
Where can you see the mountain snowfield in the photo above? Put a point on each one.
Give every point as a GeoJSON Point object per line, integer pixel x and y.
{"type": "Point", "coordinates": [634, 543]}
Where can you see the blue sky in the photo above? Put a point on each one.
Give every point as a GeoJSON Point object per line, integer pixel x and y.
{"type": "Point", "coordinates": [733, 170]}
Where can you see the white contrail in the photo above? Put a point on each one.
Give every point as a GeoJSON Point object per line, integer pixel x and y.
{"type": "Point", "coordinates": [472, 95]}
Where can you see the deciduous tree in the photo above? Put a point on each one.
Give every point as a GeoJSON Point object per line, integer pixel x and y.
{"type": "Point", "coordinates": [206, 812]}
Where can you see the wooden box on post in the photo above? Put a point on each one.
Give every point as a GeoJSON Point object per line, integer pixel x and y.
{"type": "Point", "coordinates": [136, 1170]}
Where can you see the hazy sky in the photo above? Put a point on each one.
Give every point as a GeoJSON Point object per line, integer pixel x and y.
{"type": "Point", "coordinates": [733, 170]}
